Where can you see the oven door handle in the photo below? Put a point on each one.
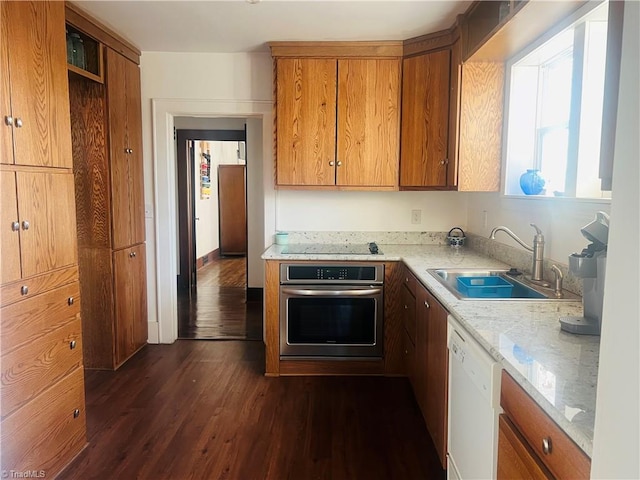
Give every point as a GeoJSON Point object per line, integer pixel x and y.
{"type": "Point", "coordinates": [332, 293]}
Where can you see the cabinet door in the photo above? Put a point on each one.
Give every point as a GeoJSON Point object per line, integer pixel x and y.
{"type": "Point", "coordinates": [425, 120]}
{"type": "Point", "coordinates": [437, 358]}
{"type": "Point", "coordinates": [368, 122]}
{"type": "Point", "coordinates": [46, 208]}
{"type": "Point", "coordinates": [118, 149]}
{"type": "Point", "coordinates": [9, 237]}
{"type": "Point", "coordinates": [515, 458]}
{"type": "Point", "coordinates": [130, 300]}
{"type": "Point", "coordinates": [305, 121]}
{"type": "Point", "coordinates": [38, 82]}
{"type": "Point", "coordinates": [134, 143]}
{"type": "Point", "coordinates": [6, 132]}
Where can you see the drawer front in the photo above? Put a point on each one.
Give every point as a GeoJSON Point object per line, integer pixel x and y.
{"type": "Point", "coordinates": [27, 321]}
{"type": "Point", "coordinates": [409, 313]}
{"type": "Point", "coordinates": [515, 457]}
{"type": "Point", "coordinates": [409, 280]}
{"type": "Point", "coordinates": [47, 432]}
{"type": "Point", "coordinates": [30, 287]}
{"type": "Point", "coordinates": [563, 458]}
{"type": "Point", "coordinates": [31, 369]}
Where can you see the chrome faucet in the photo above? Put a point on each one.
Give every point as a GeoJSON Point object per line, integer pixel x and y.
{"type": "Point", "coordinates": [537, 250]}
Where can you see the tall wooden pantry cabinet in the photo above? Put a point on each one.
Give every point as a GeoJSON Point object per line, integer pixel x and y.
{"type": "Point", "coordinates": [42, 407]}
{"type": "Point", "coordinates": [106, 128]}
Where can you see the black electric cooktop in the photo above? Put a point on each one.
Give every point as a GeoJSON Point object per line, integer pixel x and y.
{"type": "Point", "coordinates": [332, 249]}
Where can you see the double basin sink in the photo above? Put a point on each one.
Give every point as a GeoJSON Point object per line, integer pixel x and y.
{"type": "Point", "coordinates": [522, 289]}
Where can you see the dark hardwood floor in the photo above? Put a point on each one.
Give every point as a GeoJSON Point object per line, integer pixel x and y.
{"type": "Point", "coordinates": [204, 410]}
{"type": "Point", "coordinates": [218, 308]}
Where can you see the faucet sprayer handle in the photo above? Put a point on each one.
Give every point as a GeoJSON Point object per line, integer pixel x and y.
{"type": "Point", "coordinates": [538, 231]}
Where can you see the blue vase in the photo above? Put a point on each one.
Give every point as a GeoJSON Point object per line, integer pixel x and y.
{"type": "Point", "coordinates": [531, 182]}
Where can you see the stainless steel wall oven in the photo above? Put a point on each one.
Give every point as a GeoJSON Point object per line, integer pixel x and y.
{"type": "Point", "coordinates": [331, 311]}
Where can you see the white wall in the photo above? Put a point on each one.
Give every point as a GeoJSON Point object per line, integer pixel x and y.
{"type": "Point", "coordinates": [559, 219]}
{"type": "Point", "coordinates": [197, 123]}
{"type": "Point", "coordinates": [617, 429]}
{"type": "Point", "coordinates": [299, 210]}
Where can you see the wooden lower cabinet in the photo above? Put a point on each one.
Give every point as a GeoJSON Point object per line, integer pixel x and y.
{"type": "Point", "coordinates": [49, 431]}
{"type": "Point", "coordinates": [131, 307]}
{"type": "Point", "coordinates": [531, 444]}
{"type": "Point", "coordinates": [516, 459]}
{"type": "Point", "coordinates": [426, 357]}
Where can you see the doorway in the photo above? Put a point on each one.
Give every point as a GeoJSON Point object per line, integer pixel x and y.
{"type": "Point", "coordinates": [212, 281]}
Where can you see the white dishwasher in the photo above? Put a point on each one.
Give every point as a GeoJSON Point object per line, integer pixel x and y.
{"type": "Point", "coordinates": [474, 406]}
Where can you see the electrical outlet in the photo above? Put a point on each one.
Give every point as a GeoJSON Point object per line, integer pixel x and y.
{"type": "Point", "coordinates": [416, 216]}
{"type": "Point", "coordinates": [148, 210]}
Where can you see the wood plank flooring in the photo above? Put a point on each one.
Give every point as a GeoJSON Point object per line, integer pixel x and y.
{"type": "Point", "coordinates": [204, 410]}
{"type": "Point", "coordinates": [218, 309]}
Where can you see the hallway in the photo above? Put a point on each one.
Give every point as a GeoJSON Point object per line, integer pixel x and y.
{"type": "Point", "coordinates": [218, 309]}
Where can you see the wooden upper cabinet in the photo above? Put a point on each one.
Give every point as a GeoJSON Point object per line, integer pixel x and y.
{"type": "Point", "coordinates": [337, 115]}
{"type": "Point", "coordinates": [6, 131]}
{"type": "Point", "coordinates": [306, 121]}
{"type": "Point", "coordinates": [125, 148]}
{"type": "Point", "coordinates": [368, 122]}
{"type": "Point", "coordinates": [424, 158]}
{"type": "Point", "coordinates": [35, 93]}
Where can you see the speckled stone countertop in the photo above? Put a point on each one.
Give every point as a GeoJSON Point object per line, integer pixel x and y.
{"type": "Point", "coordinates": [558, 369]}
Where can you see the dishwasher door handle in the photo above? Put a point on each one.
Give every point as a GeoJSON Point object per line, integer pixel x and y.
{"type": "Point", "coordinates": [332, 293]}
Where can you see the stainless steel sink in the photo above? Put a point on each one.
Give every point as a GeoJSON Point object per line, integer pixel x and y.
{"type": "Point", "coordinates": [522, 290]}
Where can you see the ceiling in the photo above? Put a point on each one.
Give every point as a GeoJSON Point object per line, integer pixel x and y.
{"type": "Point", "coordinates": [240, 26]}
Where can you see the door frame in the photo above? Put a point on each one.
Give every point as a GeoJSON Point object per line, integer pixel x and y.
{"type": "Point", "coordinates": [185, 166]}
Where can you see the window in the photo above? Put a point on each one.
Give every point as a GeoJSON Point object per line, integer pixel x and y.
{"type": "Point", "coordinates": [554, 104]}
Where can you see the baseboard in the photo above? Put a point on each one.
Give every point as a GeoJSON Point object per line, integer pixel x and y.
{"type": "Point", "coordinates": [202, 261]}
{"type": "Point", "coordinates": [255, 294]}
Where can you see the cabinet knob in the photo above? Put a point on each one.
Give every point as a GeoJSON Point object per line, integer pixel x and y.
{"type": "Point", "coordinates": [76, 413]}
{"type": "Point", "coordinates": [24, 290]}
{"type": "Point", "coordinates": [406, 280]}
{"type": "Point", "coordinates": [406, 307]}
{"type": "Point", "coordinates": [15, 226]}
{"type": "Point", "coordinates": [8, 120]}
{"type": "Point", "coordinates": [132, 254]}
{"type": "Point", "coordinates": [331, 163]}
{"type": "Point", "coordinates": [18, 122]}
{"type": "Point", "coordinates": [339, 163]}
{"type": "Point", "coordinates": [426, 304]}
{"type": "Point", "coordinates": [546, 445]}
{"type": "Point", "coordinates": [25, 225]}
{"type": "Point", "coordinates": [72, 344]}
{"type": "Point", "coordinates": [70, 301]}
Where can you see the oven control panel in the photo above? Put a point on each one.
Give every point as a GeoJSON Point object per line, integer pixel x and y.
{"type": "Point", "coordinates": [300, 273]}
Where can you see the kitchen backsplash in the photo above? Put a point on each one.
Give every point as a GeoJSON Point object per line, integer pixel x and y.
{"type": "Point", "coordinates": [381, 238]}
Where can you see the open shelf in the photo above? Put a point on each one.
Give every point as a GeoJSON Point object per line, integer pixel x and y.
{"type": "Point", "coordinates": [93, 57]}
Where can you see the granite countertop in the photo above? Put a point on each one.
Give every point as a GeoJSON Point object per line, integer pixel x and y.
{"type": "Point", "coordinates": [558, 369]}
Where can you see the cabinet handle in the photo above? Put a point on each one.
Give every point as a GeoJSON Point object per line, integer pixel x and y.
{"type": "Point", "coordinates": [15, 226]}
{"type": "Point", "coordinates": [72, 344]}
{"type": "Point", "coordinates": [24, 290]}
{"type": "Point", "coordinates": [76, 413]}
{"type": "Point", "coordinates": [8, 120]}
{"type": "Point", "coordinates": [331, 163]}
{"type": "Point", "coordinates": [406, 280]}
{"type": "Point", "coordinates": [406, 307]}
{"type": "Point", "coordinates": [546, 445]}
{"type": "Point", "coordinates": [132, 254]}
{"type": "Point", "coordinates": [70, 301]}
{"type": "Point", "coordinates": [426, 304]}
{"type": "Point", "coordinates": [339, 163]}
{"type": "Point", "coordinates": [25, 225]}
{"type": "Point", "coordinates": [18, 122]}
